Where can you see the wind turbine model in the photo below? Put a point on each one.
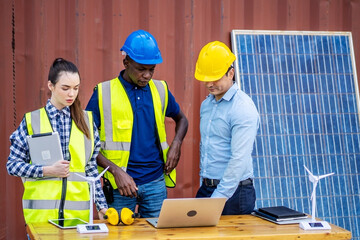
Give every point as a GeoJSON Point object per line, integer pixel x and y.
{"type": "Point", "coordinates": [314, 224]}
{"type": "Point", "coordinates": [90, 227]}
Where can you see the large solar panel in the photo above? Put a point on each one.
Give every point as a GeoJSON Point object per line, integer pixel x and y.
{"type": "Point", "coordinates": [304, 85]}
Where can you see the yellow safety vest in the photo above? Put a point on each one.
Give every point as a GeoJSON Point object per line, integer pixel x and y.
{"type": "Point", "coordinates": [42, 196]}
{"type": "Point", "coordinates": [117, 119]}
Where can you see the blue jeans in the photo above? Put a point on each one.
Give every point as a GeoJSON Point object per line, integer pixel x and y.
{"type": "Point", "coordinates": [241, 202]}
{"type": "Point", "coordinates": [150, 197]}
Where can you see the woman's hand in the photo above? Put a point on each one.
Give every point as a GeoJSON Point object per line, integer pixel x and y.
{"type": "Point", "coordinates": [101, 213]}
{"type": "Point", "coordinates": [59, 169]}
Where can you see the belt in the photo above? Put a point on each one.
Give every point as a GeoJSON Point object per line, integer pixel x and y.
{"type": "Point", "coordinates": [214, 182]}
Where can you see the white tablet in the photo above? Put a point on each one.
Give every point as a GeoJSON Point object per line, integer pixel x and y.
{"type": "Point", "coordinates": [45, 149]}
{"type": "Point", "coordinates": [67, 222]}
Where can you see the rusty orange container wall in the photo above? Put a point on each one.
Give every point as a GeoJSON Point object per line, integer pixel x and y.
{"type": "Point", "coordinates": [90, 33]}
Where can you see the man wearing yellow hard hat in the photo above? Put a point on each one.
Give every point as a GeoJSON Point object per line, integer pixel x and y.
{"type": "Point", "coordinates": [229, 122]}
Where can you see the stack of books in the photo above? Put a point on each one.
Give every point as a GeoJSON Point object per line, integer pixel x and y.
{"type": "Point", "coordinates": [281, 215]}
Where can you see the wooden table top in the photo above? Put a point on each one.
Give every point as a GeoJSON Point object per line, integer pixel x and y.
{"type": "Point", "coordinates": [229, 227]}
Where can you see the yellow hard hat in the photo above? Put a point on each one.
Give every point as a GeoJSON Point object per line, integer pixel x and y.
{"type": "Point", "coordinates": [214, 60]}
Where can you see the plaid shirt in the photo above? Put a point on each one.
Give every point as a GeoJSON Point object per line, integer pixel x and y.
{"type": "Point", "coordinates": [18, 161]}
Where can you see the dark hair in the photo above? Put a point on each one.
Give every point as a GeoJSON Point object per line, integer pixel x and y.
{"type": "Point", "coordinates": [77, 114]}
{"type": "Point", "coordinates": [128, 58]}
{"type": "Point", "coordinates": [231, 67]}
{"type": "Point", "coordinates": [61, 65]}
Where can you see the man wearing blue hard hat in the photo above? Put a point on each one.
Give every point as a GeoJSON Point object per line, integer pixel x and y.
{"type": "Point", "coordinates": [130, 112]}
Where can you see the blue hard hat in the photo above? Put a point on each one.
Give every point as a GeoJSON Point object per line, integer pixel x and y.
{"type": "Point", "coordinates": [142, 47]}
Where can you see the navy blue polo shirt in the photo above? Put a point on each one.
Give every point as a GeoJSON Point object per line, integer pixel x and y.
{"type": "Point", "coordinates": [145, 162]}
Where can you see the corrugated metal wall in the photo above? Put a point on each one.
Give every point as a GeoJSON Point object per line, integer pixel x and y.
{"type": "Point", "coordinates": [91, 32]}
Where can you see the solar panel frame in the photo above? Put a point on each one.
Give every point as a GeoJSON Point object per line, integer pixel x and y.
{"type": "Point", "coordinates": [305, 86]}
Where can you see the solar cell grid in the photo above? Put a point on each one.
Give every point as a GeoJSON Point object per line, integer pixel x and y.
{"type": "Point", "coordinates": [305, 88]}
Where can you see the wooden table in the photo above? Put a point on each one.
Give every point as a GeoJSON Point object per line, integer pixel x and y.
{"type": "Point", "coordinates": [229, 227]}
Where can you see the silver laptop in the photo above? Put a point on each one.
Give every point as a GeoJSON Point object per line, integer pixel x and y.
{"type": "Point", "coordinates": [45, 149]}
{"type": "Point", "coordinates": [189, 212]}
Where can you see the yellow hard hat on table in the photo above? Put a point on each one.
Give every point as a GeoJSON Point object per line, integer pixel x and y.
{"type": "Point", "coordinates": [214, 60]}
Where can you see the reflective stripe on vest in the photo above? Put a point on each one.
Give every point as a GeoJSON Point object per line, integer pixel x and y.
{"type": "Point", "coordinates": [49, 204]}
{"type": "Point", "coordinates": [117, 123]}
{"type": "Point", "coordinates": [42, 196]}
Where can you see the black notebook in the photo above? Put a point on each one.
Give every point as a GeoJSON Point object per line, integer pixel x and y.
{"type": "Point", "coordinates": [281, 212]}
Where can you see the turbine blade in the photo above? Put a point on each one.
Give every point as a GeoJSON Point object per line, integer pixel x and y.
{"type": "Point", "coordinates": [308, 171]}
{"type": "Point", "coordinates": [311, 176]}
{"type": "Point", "coordinates": [314, 190]}
{"type": "Point", "coordinates": [82, 176]}
{"type": "Point", "coordinates": [326, 175]}
{"type": "Point", "coordinates": [102, 173]}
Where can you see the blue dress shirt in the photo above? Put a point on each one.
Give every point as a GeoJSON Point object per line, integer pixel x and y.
{"type": "Point", "coordinates": [228, 129]}
{"type": "Point", "coordinates": [143, 166]}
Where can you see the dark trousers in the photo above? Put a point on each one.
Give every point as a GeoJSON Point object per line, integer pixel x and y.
{"type": "Point", "coordinates": [242, 202]}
